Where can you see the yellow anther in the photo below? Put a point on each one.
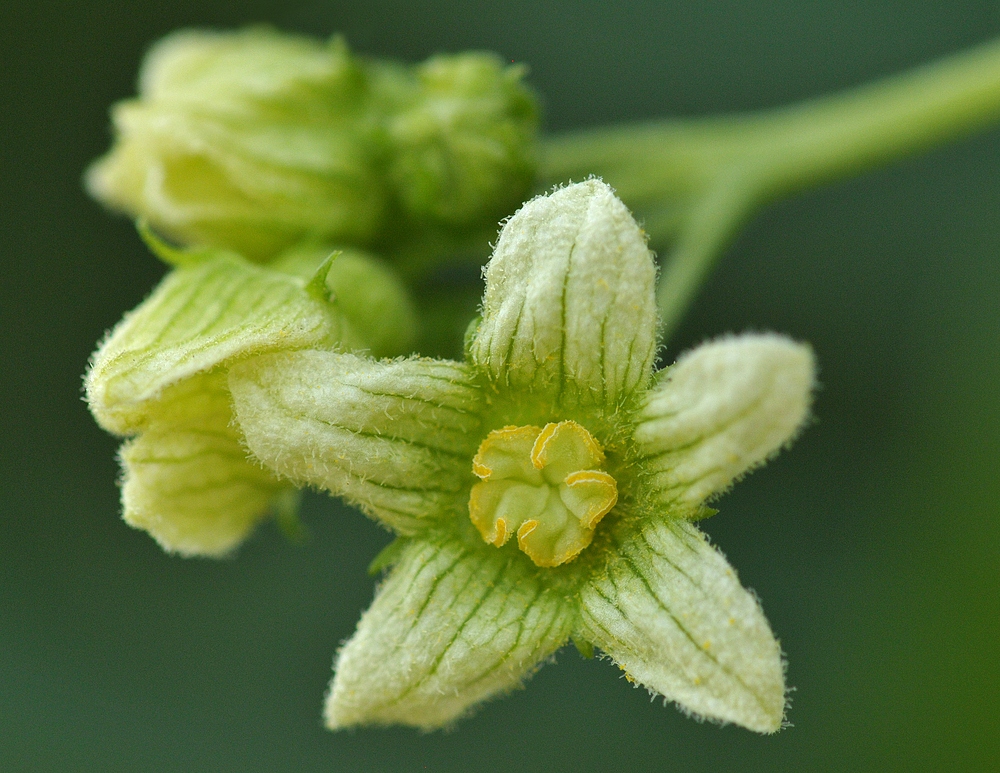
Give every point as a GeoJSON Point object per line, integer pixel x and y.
{"type": "Point", "coordinates": [568, 445]}
{"type": "Point", "coordinates": [502, 535]}
{"type": "Point", "coordinates": [538, 448]}
{"type": "Point", "coordinates": [590, 494]}
{"type": "Point", "coordinates": [544, 484]}
{"type": "Point", "coordinates": [526, 528]}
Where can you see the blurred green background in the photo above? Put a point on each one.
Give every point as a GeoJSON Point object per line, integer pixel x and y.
{"type": "Point", "coordinates": [874, 544]}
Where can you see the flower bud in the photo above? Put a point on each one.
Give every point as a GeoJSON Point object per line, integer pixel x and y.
{"type": "Point", "coordinates": [465, 149]}
{"type": "Point", "coordinates": [248, 141]}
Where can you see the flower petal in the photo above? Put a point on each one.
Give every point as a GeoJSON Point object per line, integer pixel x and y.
{"type": "Point", "coordinates": [395, 438]}
{"type": "Point", "coordinates": [187, 480]}
{"type": "Point", "coordinates": [569, 305]}
{"type": "Point", "coordinates": [451, 626]}
{"type": "Point", "coordinates": [198, 317]}
{"type": "Point", "coordinates": [671, 612]}
{"type": "Point", "coordinates": [722, 410]}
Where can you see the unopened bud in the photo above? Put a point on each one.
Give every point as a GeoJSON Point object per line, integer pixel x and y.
{"type": "Point", "coordinates": [254, 141]}
{"type": "Point", "coordinates": [249, 141]}
{"type": "Point", "coordinates": [464, 152]}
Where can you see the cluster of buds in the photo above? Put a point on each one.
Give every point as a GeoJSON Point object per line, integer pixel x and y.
{"type": "Point", "coordinates": [254, 141]}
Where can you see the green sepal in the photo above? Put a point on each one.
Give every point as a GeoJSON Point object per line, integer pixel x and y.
{"type": "Point", "coordinates": [388, 556]}
{"type": "Point", "coordinates": [470, 335]}
{"type": "Point", "coordinates": [365, 289]}
{"type": "Point", "coordinates": [317, 287]}
{"type": "Point", "coordinates": [178, 257]}
{"type": "Point", "coordinates": [584, 647]}
{"type": "Point", "coordinates": [286, 515]}
{"type": "Point", "coordinates": [702, 513]}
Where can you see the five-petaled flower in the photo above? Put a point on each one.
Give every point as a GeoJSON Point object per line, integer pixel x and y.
{"type": "Point", "coordinates": [544, 489]}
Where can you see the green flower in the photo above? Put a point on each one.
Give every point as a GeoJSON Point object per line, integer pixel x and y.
{"type": "Point", "coordinates": [557, 430]}
{"type": "Point", "coordinates": [160, 379]}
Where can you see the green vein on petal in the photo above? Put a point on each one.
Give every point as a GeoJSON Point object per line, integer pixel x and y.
{"type": "Point", "coordinates": [395, 438]}
{"type": "Point", "coordinates": [198, 317]}
{"type": "Point", "coordinates": [569, 307]}
{"type": "Point", "coordinates": [452, 625]}
{"type": "Point", "coordinates": [671, 612]}
{"type": "Point", "coordinates": [725, 408]}
{"type": "Point", "coordinates": [187, 480]}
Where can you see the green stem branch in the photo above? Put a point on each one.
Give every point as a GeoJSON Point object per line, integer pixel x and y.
{"type": "Point", "coordinates": [694, 182]}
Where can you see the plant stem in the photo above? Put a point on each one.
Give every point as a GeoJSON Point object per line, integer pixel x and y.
{"type": "Point", "coordinates": [696, 181]}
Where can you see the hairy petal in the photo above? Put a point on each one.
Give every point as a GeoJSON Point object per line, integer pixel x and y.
{"type": "Point", "coordinates": [395, 438]}
{"type": "Point", "coordinates": [671, 612]}
{"type": "Point", "coordinates": [187, 480]}
{"type": "Point", "coordinates": [198, 317]}
{"type": "Point", "coordinates": [569, 305]}
{"type": "Point", "coordinates": [721, 410]}
{"type": "Point", "coordinates": [451, 626]}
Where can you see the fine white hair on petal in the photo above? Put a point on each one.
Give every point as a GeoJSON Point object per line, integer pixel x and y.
{"type": "Point", "coordinates": [570, 299]}
{"type": "Point", "coordinates": [670, 611]}
{"type": "Point", "coordinates": [396, 438]}
{"type": "Point", "coordinates": [721, 410]}
{"type": "Point", "coordinates": [449, 628]}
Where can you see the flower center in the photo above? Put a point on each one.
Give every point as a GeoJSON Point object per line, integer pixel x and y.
{"type": "Point", "coordinates": [545, 484]}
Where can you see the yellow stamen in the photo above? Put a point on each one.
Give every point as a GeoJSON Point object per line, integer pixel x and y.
{"type": "Point", "coordinates": [544, 484]}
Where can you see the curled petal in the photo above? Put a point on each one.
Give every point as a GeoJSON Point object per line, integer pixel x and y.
{"type": "Point", "coordinates": [187, 480]}
{"type": "Point", "coordinates": [450, 627]}
{"type": "Point", "coordinates": [671, 612]}
{"type": "Point", "coordinates": [722, 410]}
{"type": "Point", "coordinates": [197, 318]}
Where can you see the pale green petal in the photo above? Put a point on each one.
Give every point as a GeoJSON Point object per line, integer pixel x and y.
{"type": "Point", "coordinates": [187, 480]}
{"type": "Point", "coordinates": [395, 438]}
{"type": "Point", "coordinates": [450, 627]}
{"type": "Point", "coordinates": [198, 317]}
{"type": "Point", "coordinates": [671, 612]}
{"type": "Point", "coordinates": [230, 182]}
{"type": "Point", "coordinates": [255, 64]}
{"type": "Point", "coordinates": [569, 307]}
{"type": "Point", "coordinates": [722, 410]}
